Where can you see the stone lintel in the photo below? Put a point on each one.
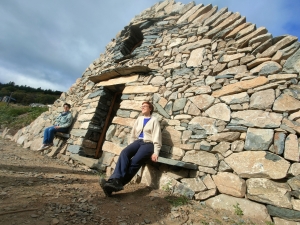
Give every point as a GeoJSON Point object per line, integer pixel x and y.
{"type": "Point", "coordinates": [119, 80]}
{"type": "Point", "coordinates": [140, 89]}
{"type": "Point", "coordinates": [116, 72]}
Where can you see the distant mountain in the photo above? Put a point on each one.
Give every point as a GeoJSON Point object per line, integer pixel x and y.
{"type": "Point", "coordinates": [26, 95]}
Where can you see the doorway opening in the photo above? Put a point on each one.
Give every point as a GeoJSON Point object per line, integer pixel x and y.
{"type": "Point", "coordinates": [116, 93]}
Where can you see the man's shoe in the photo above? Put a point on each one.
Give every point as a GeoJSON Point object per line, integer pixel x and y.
{"type": "Point", "coordinates": [115, 184]}
{"type": "Point", "coordinates": [43, 147]}
{"type": "Point", "coordinates": [107, 190]}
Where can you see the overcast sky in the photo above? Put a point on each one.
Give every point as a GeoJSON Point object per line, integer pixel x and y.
{"type": "Point", "coordinates": [49, 44]}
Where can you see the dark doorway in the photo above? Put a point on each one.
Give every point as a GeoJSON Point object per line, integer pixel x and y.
{"type": "Point", "coordinates": [116, 92]}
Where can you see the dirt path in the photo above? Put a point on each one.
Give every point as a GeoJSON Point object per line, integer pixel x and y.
{"type": "Point", "coordinates": [36, 189]}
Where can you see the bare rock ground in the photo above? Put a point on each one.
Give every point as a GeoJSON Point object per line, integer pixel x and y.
{"type": "Point", "coordinates": [36, 189]}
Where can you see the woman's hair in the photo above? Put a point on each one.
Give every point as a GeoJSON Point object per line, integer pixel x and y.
{"type": "Point", "coordinates": [150, 106]}
{"type": "Point", "coordinates": [67, 104]}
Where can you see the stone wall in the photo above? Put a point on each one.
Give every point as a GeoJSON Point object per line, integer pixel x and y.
{"type": "Point", "coordinates": [227, 96]}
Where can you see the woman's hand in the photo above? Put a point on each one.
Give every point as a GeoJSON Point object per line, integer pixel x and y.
{"type": "Point", "coordinates": [154, 157]}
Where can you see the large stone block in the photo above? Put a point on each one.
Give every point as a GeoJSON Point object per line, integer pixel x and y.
{"type": "Point", "coordinates": [203, 195]}
{"type": "Point", "coordinates": [79, 132]}
{"type": "Point", "coordinates": [230, 184]}
{"type": "Point", "coordinates": [75, 149]}
{"type": "Point", "coordinates": [279, 139]}
{"type": "Point", "coordinates": [89, 162]}
{"type": "Point", "coordinates": [183, 190]}
{"type": "Point", "coordinates": [221, 148]}
{"type": "Point", "coordinates": [286, 103]}
{"type": "Point", "coordinates": [279, 45]}
{"type": "Point", "coordinates": [292, 64]}
{"type": "Point", "coordinates": [294, 183]}
{"type": "Point", "coordinates": [240, 86]}
{"type": "Point", "coordinates": [295, 169]}
{"type": "Point", "coordinates": [22, 139]}
{"type": "Point", "coordinates": [236, 98]}
{"type": "Point", "coordinates": [123, 121]}
{"type": "Point", "coordinates": [201, 158]}
{"type": "Point", "coordinates": [288, 214]}
{"type": "Point", "coordinates": [196, 57]}
{"type": "Point", "coordinates": [256, 118]}
{"type": "Point", "coordinates": [280, 221]}
{"type": "Point", "coordinates": [179, 104]}
{"type": "Point", "coordinates": [207, 124]}
{"type": "Point", "coordinates": [262, 99]}
{"type": "Point", "coordinates": [249, 164]}
{"type": "Point", "coordinates": [131, 105]}
{"type": "Point", "coordinates": [226, 136]}
{"type": "Point", "coordinates": [228, 58]}
{"type": "Point", "coordinates": [112, 148]}
{"type": "Point", "coordinates": [208, 181]}
{"type": "Point", "coordinates": [185, 16]}
{"type": "Point", "coordinates": [202, 101]}
{"type": "Point", "coordinates": [267, 68]}
{"type": "Point", "coordinates": [269, 192]}
{"type": "Point", "coordinates": [36, 144]}
{"type": "Point", "coordinates": [171, 137]}
{"type": "Point", "coordinates": [291, 149]}
{"type": "Point", "coordinates": [249, 208]}
{"type": "Point", "coordinates": [295, 125]}
{"type": "Point", "coordinates": [195, 45]}
{"type": "Point", "coordinates": [258, 139]}
{"type": "Point", "coordinates": [200, 11]}
{"type": "Point", "coordinates": [219, 111]}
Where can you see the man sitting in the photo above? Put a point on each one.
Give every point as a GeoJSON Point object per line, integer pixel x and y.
{"type": "Point", "coordinates": [61, 124]}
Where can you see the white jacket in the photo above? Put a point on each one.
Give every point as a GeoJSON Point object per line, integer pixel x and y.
{"type": "Point", "coordinates": [151, 131]}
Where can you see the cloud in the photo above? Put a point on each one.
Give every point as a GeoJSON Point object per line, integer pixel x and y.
{"type": "Point", "coordinates": [30, 79]}
{"type": "Point", "coordinates": [51, 43]}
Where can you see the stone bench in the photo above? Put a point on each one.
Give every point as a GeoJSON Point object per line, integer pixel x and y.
{"type": "Point", "coordinates": [174, 162]}
{"type": "Point", "coordinates": [63, 135]}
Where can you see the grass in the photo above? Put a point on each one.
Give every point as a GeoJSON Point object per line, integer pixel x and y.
{"type": "Point", "coordinates": [15, 116]}
{"type": "Point", "coordinates": [238, 211]}
{"type": "Point", "coordinates": [177, 200]}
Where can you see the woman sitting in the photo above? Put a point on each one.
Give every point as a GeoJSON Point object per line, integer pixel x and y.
{"type": "Point", "coordinates": [145, 145]}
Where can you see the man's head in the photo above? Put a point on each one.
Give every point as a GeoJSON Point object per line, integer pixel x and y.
{"type": "Point", "coordinates": [67, 107]}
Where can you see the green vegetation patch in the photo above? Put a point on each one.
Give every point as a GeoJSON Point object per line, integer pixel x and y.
{"type": "Point", "coordinates": [177, 200]}
{"type": "Point", "coordinates": [15, 116]}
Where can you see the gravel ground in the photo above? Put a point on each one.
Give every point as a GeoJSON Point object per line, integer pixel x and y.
{"type": "Point", "coordinates": [36, 189]}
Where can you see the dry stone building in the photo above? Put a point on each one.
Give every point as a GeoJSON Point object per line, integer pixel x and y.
{"type": "Point", "coordinates": [227, 96]}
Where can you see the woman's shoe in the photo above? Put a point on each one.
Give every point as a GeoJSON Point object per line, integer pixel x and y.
{"type": "Point", "coordinates": [115, 184]}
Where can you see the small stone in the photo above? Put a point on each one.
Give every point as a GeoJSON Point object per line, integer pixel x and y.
{"type": "Point", "coordinates": [147, 221]}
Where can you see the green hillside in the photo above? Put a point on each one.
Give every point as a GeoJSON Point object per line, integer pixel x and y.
{"type": "Point", "coordinates": [26, 95]}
